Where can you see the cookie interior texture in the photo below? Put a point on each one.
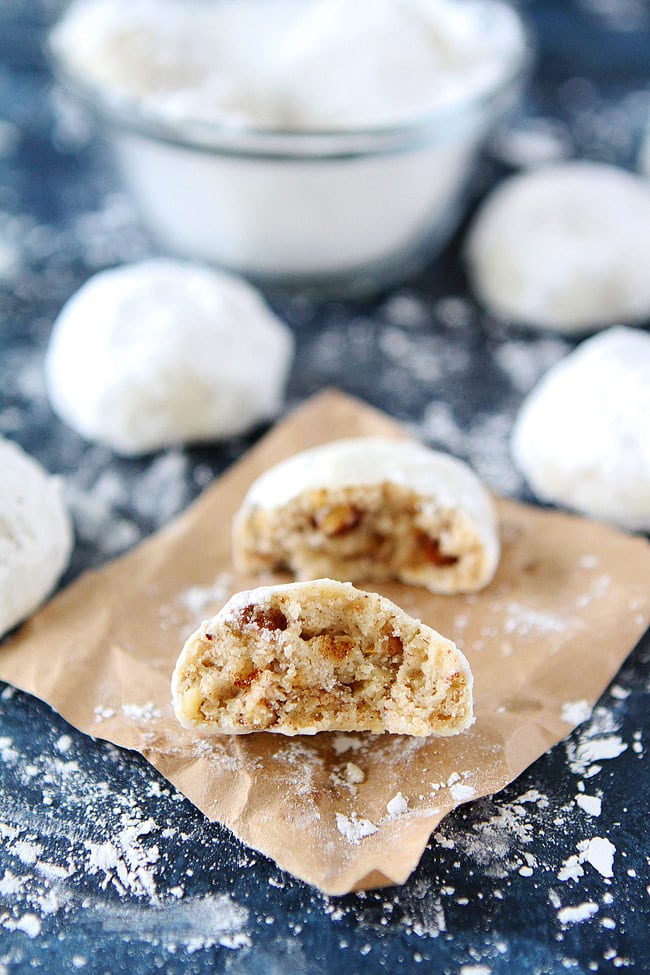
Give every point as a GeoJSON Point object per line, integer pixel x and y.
{"type": "Point", "coordinates": [320, 656]}
{"type": "Point", "coordinates": [366, 532]}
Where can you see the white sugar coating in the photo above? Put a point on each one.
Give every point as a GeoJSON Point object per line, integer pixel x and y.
{"type": "Point", "coordinates": [564, 247]}
{"type": "Point", "coordinates": [163, 352]}
{"type": "Point", "coordinates": [320, 64]}
{"type": "Point", "coordinates": [371, 460]}
{"type": "Point", "coordinates": [444, 482]}
{"type": "Point", "coordinates": [582, 438]}
{"type": "Point", "coordinates": [35, 534]}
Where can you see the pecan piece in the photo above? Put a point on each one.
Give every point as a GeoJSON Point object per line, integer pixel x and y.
{"type": "Point", "coordinates": [246, 679]}
{"type": "Point", "coordinates": [395, 646]}
{"type": "Point", "coordinates": [267, 618]}
{"type": "Point", "coordinates": [338, 519]}
{"type": "Point", "coordinates": [430, 549]}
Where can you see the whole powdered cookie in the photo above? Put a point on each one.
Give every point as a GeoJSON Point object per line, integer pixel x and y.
{"type": "Point", "coordinates": [164, 352]}
{"type": "Point", "coordinates": [35, 534]}
{"type": "Point", "coordinates": [371, 509]}
{"type": "Point", "coordinates": [582, 437]}
{"type": "Point", "coordinates": [320, 656]}
{"type": "Point", "coordinates": [564, 247]}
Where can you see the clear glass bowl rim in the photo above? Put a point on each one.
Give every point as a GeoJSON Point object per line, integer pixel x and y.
{"type": "Point", "coordinates": [437, 128]}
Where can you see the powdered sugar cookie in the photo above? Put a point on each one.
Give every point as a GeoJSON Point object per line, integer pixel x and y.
{"type": "Point", "coordinates": [564, 247]}
{"type": "Point", "coordinates": [582, 437]}
{"type": "Point", "coordinates": [35, 534]}
{"type": "Point", "coordinates": [371, 509]}
{"type": "Point", "coordinates": [320, 656]}
{"type": "Point", "coordinates": [165, 352]}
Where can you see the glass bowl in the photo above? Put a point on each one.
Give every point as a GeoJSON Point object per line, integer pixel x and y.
{"type": "Point", "coordinates": [343, 211]}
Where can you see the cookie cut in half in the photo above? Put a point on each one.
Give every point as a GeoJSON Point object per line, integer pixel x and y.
{"type": "Point", "coordinates": [370, 509]}
{"type": "Point", "coordinates": [315, 656]}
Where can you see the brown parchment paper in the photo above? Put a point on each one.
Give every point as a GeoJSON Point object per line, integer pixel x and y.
{"type": "Point", "coordinates": [568, 603]}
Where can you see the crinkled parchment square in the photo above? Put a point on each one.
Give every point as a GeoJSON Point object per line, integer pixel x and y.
{"type": "Point", "coordinates": [568, 604]}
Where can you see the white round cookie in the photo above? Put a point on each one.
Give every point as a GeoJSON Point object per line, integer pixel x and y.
{"type": "Point", "coordinates": [35, 534]}
{"type": "Point", "coordinates": [164, 352]}
{"type": "Point", "coordinates": [582, 437]}
{"type": "Point", "coordinates": [564, 247]}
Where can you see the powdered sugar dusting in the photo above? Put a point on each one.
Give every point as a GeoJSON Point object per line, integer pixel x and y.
{"type": "Point", "coordinates": [354, 829]}
{"type": "Point", "coordinates": [577, 914]}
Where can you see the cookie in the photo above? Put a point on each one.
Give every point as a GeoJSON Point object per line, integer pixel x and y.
{"type": "Point", "coordinates": [564, 247]}
{"type": "Point", "coordinates": [581, 438]}
{"type": "Point", "coordinates": [320, 656]}
{"type": "Point", "coordinates": [369, 510]}
{"type": "Point", "coordinates": [36, 535]}
{"type": "Point", "coordinates": [164, 352]}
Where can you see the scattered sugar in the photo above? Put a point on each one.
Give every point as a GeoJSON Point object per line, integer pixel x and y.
{"type": "Point", "coordinates": [525, 621]}
{"type": "Point", "coordinates": [101, 832]}
{"type": "Point", "coordinates": [142, 712]}
{"type": "Point", "coordinates": [103, 713]}
{"type": "Point", "coordinates": [532, 142]}
{"type": "Point", "coordinates": [571, 869]}
{"type": "Point", "coordinates": [198, 600]}
{"type": "Point", "coordinates": [347, 743]}
{"type": "Point", "coordinates": [354, 829]}
{"type": "Point", "coordinates": [63, 744]}
{"type": "Point", "coordinates": [575, 712]}
{"type": "Point", "coordinates": [347, 776]}
{"type": "Point", "coordinates": [526, 362]}
{"type": "Point", "coordinates": [397, 806]}
{"type": "Point", "coordinates": [595, 750]}
{"type": "Point", "coordinates": [126, 864]}
{"type": "Point", "coordinates": [577, 914]}
{"type": "Point", "coordinates": [599, 852]}
{"type": "Point", "coordinates": [454, 312]}
{"type": "Point", "coordinates": [462, 792]}
{"type": "Point", "coordinates": [29, 924]}
{"type": "Point", "coordinates": [597, 742]}
{"type": "Point", "coordinates": [405, 310]}
{"type": "Point", "coordinates": [592, 805]}
{"type": "Point", "coordinates": [485, 445]}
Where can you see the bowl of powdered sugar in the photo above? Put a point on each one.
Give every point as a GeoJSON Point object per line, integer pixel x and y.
{"type": "Point", "coordinates": [324, 142]}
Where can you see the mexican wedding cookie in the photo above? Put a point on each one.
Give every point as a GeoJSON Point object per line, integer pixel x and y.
{"type": "Point", "coordinates": [582, 437]}
{"type": "Point", "coordinates": [35, 534]}
{"type": "Point", "coordinates": [369, 509]}
{"type": "Point", "coordinates": [565, 247]}
{"type": "Point", "coordinates": [320, 656]}
{"type": "Point", "coordinates": [164, 352]}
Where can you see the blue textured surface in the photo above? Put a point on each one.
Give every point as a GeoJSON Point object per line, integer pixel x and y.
{"type": "Point", "coordinates": [106, 869]}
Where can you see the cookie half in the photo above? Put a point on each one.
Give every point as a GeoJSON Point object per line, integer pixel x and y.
{"type": "Point", "coordinates": [370, 509]}
{"type": "Point", "coordinates": [320, 656]}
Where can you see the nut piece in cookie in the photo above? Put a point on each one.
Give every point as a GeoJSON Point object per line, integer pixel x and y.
{"type": "Point", "coordinates": [369, 509]}
{"type": "Point", "coordinates": [320, 656]}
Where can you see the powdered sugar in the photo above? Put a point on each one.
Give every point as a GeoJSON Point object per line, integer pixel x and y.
{"type": "Point", "coordinates": [577, 914]}
{"type": "Point", "coordinates": [353, 828]}
{"type": "Point", "coordinates": [398, 805]}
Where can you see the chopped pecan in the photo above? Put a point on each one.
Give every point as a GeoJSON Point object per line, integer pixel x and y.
{"type": "Point", "coordinates": [264, 618]}
{"type": "Point", "coordinates": [336, 645]}
{"type": "Point", "coordinates": [430, 549]}
{"type": "Point", "coordinates": [245, 679]}
{"type": "Point", "coordinates": [338, 519]}
{"type": "Point", "coordinates": [395, 646]}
